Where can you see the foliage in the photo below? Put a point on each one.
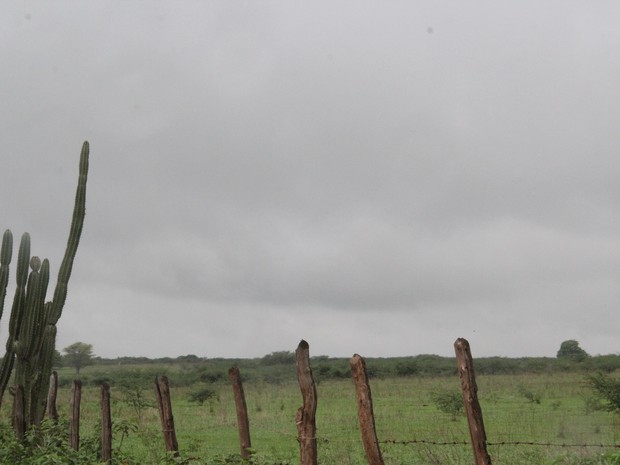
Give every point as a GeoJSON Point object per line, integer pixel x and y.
{"type": "Point", "coordinates": [531, 396]}
{"type": "Point", "coordinates": [279, 358]}
{"type": "Point", "coordinates": [607, 388]}
{"type": "Point", "coordinates": [78, 355]}
{"type": "Point", "coordinates": [212, 377]}
{"type": "Point", "coordinates": [202, 395]}
{"type": "Point", "coordinates": [135, 397]}
{"type": "Point", "coordinates": [570, 350]}
{"type": "Point", "coordinates": [188, 370]}
{"type": "Point", "coordinates": [123, 428]}
{"type": "Point", "coordinates": [450, 402]}
{"type": "Point", "coordinates": [47, 444]}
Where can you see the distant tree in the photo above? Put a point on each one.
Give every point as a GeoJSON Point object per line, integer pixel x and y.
{"type": "Point", "coordinates": [57, 359]}
{"type": "Point", "coordinates": [78, 355]}
{"type": "Point", "coordinates": [570, 350]}
{"type": "Point", "coordinates": [282, 357]}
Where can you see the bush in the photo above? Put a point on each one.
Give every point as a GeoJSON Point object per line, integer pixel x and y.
{"type": "Point", "coordinates": [211, 377]}
{"type": "Point", "coordinates": [531, 396]}
{"type": "Point", "coordinates": [608, 389]}
{"type": "Point", "coordinates": [47, 445]}
{"type": "Point", "coordinates": [406, 369]}
{"type": "Point", "coordinates": [202, 396]}
{"type": "Point", "coordinates": [449, 402]}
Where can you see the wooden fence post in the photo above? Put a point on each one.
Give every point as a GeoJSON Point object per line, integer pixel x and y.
{"type": "Point", "coordinates": [106, 424]}
{"type": "Point", "coordinates": [243, 423]}
{"type": "Point", "coordinates": [306, 415]}
{"type": "Point", "coordinates": [478, 435]}
{"type": "Point", "coordinates": [365, 411]}
{"type": "Point", "coordinates": [162, 393]}
{"type": "Point", "coordinates": [76, 397]}
{"type": "Point", "coordinates": [19, 416]}
{"type": "Point", "coordinates": [52, 411]}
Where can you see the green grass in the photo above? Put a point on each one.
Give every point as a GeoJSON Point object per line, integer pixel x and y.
{"type": "Point", "coordinates": [555, 409]}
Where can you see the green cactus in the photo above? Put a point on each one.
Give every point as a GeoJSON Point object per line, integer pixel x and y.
{"type": "Point", "coordinates": [17, 312]}
{"type": "Point", "coordinates": [6, 253]}
{"type": "Point", "coordinates": [31, 341]}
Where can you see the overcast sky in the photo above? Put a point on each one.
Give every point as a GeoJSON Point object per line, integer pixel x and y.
{"type": "Point", "coordinates": [375, 177]}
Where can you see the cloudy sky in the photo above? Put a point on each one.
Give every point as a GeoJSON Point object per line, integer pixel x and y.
{"type": "Point", "coordinates": [373, 177]}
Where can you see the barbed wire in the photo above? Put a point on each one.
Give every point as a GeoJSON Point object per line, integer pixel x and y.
{"type": "Point", "coordinates": [424, 441]}
{"type": "Point", "coordinates": [431, 442]}
{"type": "Point", "coordinates": [500, 443]}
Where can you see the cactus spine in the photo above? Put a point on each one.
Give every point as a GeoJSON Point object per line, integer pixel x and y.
{"type": "Point", "coordinates": [31, 341]}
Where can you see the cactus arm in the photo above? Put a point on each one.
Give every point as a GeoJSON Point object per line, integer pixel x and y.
{"type": "Point", "coordinates": [7, 248]}
{"type": "Point", "coordinates": [42, 378]}
{"type": "Point", "coordinates": [29, 331]}
{"type": "Point", "coordinates": [77, 223]}
{"type": "Point", "coordinates": [33, 321]}
{"type": "Point", "coordinates": [19, 300]}
{"type": "Point", "coordinates": [17, 311]}
{"type": "Point", "coordinates": [26, 327]}
{"type": "Point", "coordinates": [41, 314]}
{"type": "Point", "coordinates": [6, 253]}
{"type": "Point", "coordinates": [5, 372]}
{"type": "Point", "coordinates": [23, 260]}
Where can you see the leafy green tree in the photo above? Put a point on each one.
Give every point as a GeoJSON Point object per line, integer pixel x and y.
{"type": "Point", "coordinates": [78, 355]}
{"type": "Point", "coordinates": [57, 359]}
{"type": "Point", "coordinates": [570, 350]}
{"type": "Point", "coordinates": [282, 357]}
{"type": "Point", "coordinates": [608, 389]}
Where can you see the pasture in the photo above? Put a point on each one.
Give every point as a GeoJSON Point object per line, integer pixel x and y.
{"type": "Point", "coordinates": [531, 418]}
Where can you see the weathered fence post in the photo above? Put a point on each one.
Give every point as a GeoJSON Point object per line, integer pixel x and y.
{"type": "Point", "coordinates": [162, 393]}
{"type": "Point", "coordinates": [76, 397]}
{"type": "Point", "coordinates": [365, 411]}
{"type": "Point", "coordinates": [305, 417]}
{"type": "Point", "coordinates": [478, 435]}
{"type": "Point", "coordinates": [106, 424]}
{"type": "Point", "coordinates": [19, 415]}
{"type": "Point", "coordinates": [52, 411]}
{"type": "Point", "coordinates": [243, 423]}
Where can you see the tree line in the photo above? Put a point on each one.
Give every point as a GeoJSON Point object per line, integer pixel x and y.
{"type": "Point", "coordinates": [278, 367]}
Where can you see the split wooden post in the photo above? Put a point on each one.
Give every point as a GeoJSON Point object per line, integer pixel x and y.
{"type": "Point", "coordinates": [478, 435]}
{"type": "Point", "coordinates": [19, 417]}
{"type": "Point", "coordinates": [52, 411]}
{"type": "Point", "coordinates": [365, 411]}
{"type": "Point", "coordinates": [162, 393]}
{"type": "Point", "coordinates": [76, 398]}
{"type": "Point", "coordinates": [243, 422]}
{"type": "Point", "coordinates": [306, 415]}
{"type": "Point", "coordinates": [106, 424]}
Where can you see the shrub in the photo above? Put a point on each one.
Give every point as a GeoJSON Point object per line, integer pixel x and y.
{"type": "Point", "coordinates": [608, 389]}
{"type": "Point", "coordinates": [449, 402]}
{"type": "Point", "coordinates": [202, 396]}
{"type": "Point", "coordinates": [529, 395]}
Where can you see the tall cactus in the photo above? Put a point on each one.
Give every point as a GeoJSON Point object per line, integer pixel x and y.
{"type": "Point", "coordinates": [6, 253]}
{"type": "Point", "coordinates": [31, 341]}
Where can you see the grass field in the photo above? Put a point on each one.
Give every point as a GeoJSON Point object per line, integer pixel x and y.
{"type": "Point", "coordinates": [556, 411]}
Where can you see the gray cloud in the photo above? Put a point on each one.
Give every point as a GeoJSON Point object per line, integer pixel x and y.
{"type": "Point", "coordinates": [373, 178]}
